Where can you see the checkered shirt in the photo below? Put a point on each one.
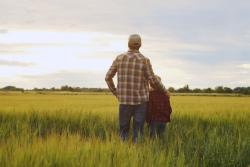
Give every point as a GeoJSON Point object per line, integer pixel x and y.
{"type": "Point", "coordinates": [134, 72]}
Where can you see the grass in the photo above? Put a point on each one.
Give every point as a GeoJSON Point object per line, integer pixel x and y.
{"type": "Point", "coordinates": [82, 130]}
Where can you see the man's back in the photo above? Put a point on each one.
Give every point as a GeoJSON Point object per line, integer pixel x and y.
{"type": "Point", "coordinates": [132, 86]}
{"type": "Point", "coordinates": [133, 73]}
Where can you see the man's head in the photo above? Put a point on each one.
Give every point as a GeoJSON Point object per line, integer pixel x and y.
{"type": "Point", "coordinates": [134, 42]}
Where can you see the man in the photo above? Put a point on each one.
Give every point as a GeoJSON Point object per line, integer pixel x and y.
{"type": "Point", "coordinates": [134, 72]}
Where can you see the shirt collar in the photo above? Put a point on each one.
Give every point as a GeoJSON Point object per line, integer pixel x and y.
{"type": "Point", "coordinates": [134, 51]}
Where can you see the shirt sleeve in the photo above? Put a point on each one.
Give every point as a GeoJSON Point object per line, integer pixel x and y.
{"type": "Point", "coordinates": [109, 76]}
{"type": "Point", "coordinates": [150, 76]}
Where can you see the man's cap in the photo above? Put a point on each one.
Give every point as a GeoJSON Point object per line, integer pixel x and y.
{"type": "Point", "coordinates": [134, 40]}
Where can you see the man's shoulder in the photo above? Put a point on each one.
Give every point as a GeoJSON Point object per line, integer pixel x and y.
{"type": "Point", "coordinates": [120, 56]}
{"type": "Point", "coordinates": [141, 56]}
{"type": "Point", "coordinates": [138, 55]}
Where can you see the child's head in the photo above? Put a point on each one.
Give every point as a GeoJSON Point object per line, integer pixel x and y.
{"type": "Point", "coordinates": [152, 86]}
{"type": "Point", "coordinates": [158, 78]}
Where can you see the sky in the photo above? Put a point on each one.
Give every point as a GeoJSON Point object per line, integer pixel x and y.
{"type": "Point", "coordinates": [50, 43]}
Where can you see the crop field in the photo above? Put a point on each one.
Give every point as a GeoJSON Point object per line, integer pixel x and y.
{"type": "Point", "coordinates": [73, 130]}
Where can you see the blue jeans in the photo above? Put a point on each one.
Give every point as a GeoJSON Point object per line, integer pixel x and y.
{"type": "Point", "coordinates": [138, 113]}
{"type": "Point", "coordinates": [156, 128]}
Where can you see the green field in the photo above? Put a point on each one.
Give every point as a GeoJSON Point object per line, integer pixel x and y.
{"type": "Point", "coordinates": [82, 130]}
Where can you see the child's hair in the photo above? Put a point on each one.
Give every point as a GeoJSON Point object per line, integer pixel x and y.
{"type": "Point", "coordinates": [152, 86]}
{"type": "Point", "coordinates": [157, 77]}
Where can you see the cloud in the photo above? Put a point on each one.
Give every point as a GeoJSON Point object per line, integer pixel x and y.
{"type": "Point", "coordinates": [59, 78]}
{"type": "Point", "coordinates": [23, 48]}
{"type": "Point", "coordinates": [6, 49]}
{"type": "Point", "coordinates": [203, 43]}
{"type": "Point", "coordinates": [177, 18]}
{"type": "Point", "coordinates": [245, 66]}
{"type": "Point", "coordinates": [15, 63]}
{"type": "Point", "coordinates": [3, 31]}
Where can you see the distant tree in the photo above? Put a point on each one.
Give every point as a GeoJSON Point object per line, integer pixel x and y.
{"type": "Point", "coordinates": [219, 89]}
{"type": "Point", "coordinates": [171, 89]}
{"type": "Point", "coordinates": [237, 90]}
{"type": "Point", "coordinates": [53, 89]}
{"type": "Point", "coordinates": [196, 90]}
{"type": "Point", "coordinates": [186, 88]}
{"type": "Point", "coordinates": [65, 88]}
{"type": "Point", "coordinates": [77, 89]}
{"type": "Point", "coordinates": [247, 90]}
{"type": "Point", "coordinates": [12, 88]}
{"type": "Point", "coordinates": [242, 90]}
{"type": "Point", "coordinates": [227, 90]}
{"type": "Point", "coordinates": [207, 90]}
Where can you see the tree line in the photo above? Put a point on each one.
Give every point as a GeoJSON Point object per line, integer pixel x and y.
{"type": "Point", "coordinates": [62, 88]}
{"type": "Point", "coordinates": [185, 89]}
{"type": "Point", "coordinates": [217, 89]}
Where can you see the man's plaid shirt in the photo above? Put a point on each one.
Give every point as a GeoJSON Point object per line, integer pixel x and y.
{"type": "Point", "coordinates": [134, 71]}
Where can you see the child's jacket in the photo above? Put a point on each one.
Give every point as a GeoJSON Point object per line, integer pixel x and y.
{"type": "Point", "coordinates": [159, 108]}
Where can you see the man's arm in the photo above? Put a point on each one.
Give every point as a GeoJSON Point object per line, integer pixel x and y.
{"type": "Point", "coordinates": [151, 77]}
{"type": "Point", "coordinates": [109, 77]}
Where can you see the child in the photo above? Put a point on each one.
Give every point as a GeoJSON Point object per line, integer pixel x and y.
{"type": "Point", "coordinates": [159, 110]}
